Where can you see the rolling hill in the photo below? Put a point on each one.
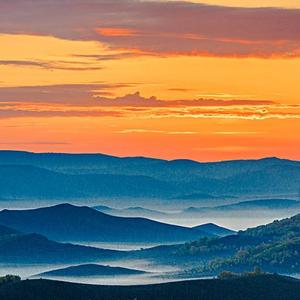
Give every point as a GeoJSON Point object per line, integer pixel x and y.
{"type": "Point", "coordinates": [214, 229]}
{"type": "Point", "coordinates": [274, 247]}
{"type": "Point", "coordinates": [89, 270]}
{"type": "Point", "coordinates": [37, 249]}
{"type": "Point", "coordinates": [66, 222]}
{"type": "Point", "coordinates": [270, 287]}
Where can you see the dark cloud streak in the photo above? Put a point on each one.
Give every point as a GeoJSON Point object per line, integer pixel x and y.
{"type": "Point", "coordinates": [68, 66]}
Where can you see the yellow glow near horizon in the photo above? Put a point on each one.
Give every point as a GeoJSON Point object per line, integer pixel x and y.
{"type": "Point", "coordinates": [252, 3]}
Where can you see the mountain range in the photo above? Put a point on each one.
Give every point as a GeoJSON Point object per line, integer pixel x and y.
{"type": "Point", "coordinates": [250, 205]}
{"type": "Point", "coordinates": [274, 208]}
{"type": "Point", "coordinates": [136, 211]}
{"type": "Point", "coordinates": [274, 247]}
{"type": "Point", "coordinates": [66, 222]}
{"type": "Point", "coordinates": [27, 175]}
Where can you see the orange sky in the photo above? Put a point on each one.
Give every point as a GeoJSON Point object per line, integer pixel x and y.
{"type": "Point", "coordinates": [63, 85]}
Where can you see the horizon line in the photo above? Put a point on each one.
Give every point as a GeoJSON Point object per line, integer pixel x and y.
{"type": "Point", "coordinates": [150, 157]}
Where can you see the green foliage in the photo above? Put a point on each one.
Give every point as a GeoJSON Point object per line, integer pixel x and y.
{"type": "Point", "coordinates": [9, 279]}
{"type": "Point", "coordinates": [231, 275]}
{"type": "Point", "coordinates": [274, 247]}
{"type": "Point", "coordinates": [224, 275]}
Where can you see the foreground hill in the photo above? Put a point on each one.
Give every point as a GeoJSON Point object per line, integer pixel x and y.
{"type": "Point", "coordinates": [274, 247]}
{"type": "Point", "coordinates": [55, 175]}
{"type": "Point", "coordinates": [264, 287]}
{"type": "Point", "coordinates": [66, 222]}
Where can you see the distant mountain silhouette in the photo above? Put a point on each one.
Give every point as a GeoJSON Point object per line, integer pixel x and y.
{"type": "Point", "coordinates": [214, 229]}
{"type": "Point", "coordinates": [66, 222]}
{"type": "Point", "coordinates": [263, 204]}
{"type": "Point", "coordinates": [55, 175]}
{"type": "Point", "coordinates": [201, 196]}
{"type": "Point", "coordinates": [131, 212]}
{"type": "Point", "coordinates": [89, 270]}
{"type": "Point", "coordinates": [259, 204]}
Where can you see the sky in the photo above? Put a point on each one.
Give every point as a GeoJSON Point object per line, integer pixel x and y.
{"type": "Point", "coordinates": [206, 80]}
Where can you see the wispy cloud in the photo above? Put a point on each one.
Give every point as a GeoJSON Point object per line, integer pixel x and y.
{"type": "Point", "coordinates": [136, 100]}
{"type": "Point", "coordinates": [90, 100]}
{"type": "Point", "coordinates": [68, 66]}
{"type": "Point", "coordinates": [231, 112]}
{"type": "Point", "coordinates": [238, 112]}
{"type": "Point", "coordinates": [95, 95]}
{"type": "Point", "coordinates": [67, 94]}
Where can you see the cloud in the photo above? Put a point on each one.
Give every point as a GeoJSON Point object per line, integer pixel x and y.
{"type": "Point", "coordinates": [136, 100]}
{"type": "Point", "coordinates": [118, 32]}
{"type": "Point", "coordinates": [226, 112]}
{"type": "Point", "coordinates": [90, 100]}
{"type": "Point", "coordinates": [69, 66]}
{"type": "Point", "coordinates": [95, 95]}
{"type": "Point", "coordinates": [49, 112]}
{"type": "Point", "coordinates": [138, 110]}
{"type": "Point", "coordinates": [112, 56]}
{"type": "Point", "coordinates": [161, 28]}
{"type": "Point", "coordinates": [68, 94]}
{"type": "Point", "coordinates": [180, 90]}
{"type": "Point", "coordinates": [21, 63]}
{"type": "Point", "coordinates": [206, 112]}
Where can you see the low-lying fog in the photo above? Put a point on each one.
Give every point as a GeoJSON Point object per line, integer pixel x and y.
{"type": "Point", "coordinates": [156, 273]}
{"type": "Point", "coordinates": [173, 209]}
{"type": "Point", "coordinates": [236, 220]}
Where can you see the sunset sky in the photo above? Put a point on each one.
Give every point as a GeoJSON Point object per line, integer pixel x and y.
{"type": "Point", "coordinates": [206, 80]}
